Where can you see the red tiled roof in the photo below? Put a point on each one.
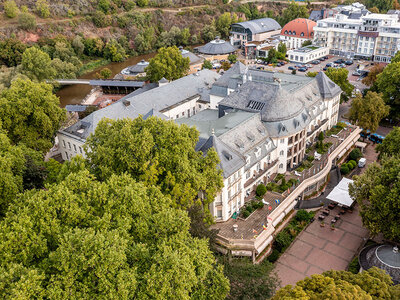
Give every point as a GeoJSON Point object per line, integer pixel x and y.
{"type": "Point", "coordinates": [301, 28]}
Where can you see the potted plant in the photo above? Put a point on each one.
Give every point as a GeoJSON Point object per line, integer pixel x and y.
{"type": "Point", "coordinates": [322, 224]}
{"type": "Point", "coordinates": [333, 227]}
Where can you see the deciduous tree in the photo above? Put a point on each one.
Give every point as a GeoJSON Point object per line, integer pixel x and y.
{"type": "Point", "coordinates": [388, 82]}
{"type": "Point", "coordinates": [26, 21]}
{"type": "Point", "coordinates": [368, 111]}
{"type": "Point", "coordinates": [30, 113]}
{"type": "Point", "coordinates": [377, 193]}
{"type": "Point", "coordinates": [168, 63]}
{"type": "Point", "coordinates": [156, 152]}
{"type": "Point", "coordinates": [372, 75]}
{"type": "Point", "coordinates": [224, 22]}
{"type": "Point", "coordinates": [371, 284]}
{"type": "Point", "coordinates": [339, 76]}
{"type": "Point", "coordinates": [382, 5]}
{"type": "Point", "coordinates": [84, 239]}
{"type": "Point", "coordinates": [293, 11]}
{"type": "Point", "coordinates": [36, 64]}
{"type": "Point", "coordinates": [11, 9]}
{"type": "Point", "coordinates": [11, 51]}
{"type": "Point", "coordinates": [42, 8]}
{"type": "Point", "coordinates": [391, 143]}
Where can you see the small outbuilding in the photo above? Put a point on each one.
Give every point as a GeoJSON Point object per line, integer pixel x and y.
{"type": "Point", "coordinates": [216, 49]}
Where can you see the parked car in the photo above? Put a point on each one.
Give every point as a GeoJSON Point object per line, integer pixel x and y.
{"type": "Point", "coordinates": [326, 57]}
{"type": "Point", "coordinates": [329, 65]}
{"type": "Point", "coordinates": [292, 68]}
{"type": "Point", "coordinates": [348, 62]}
{"type": "Point", "coordinates": [315, 62]}
{"type": "Point", "coordinates": [325, 68]}
{"type": "Point", "coordinates": [339, 61]}
{"type": "Point", "coordinates": [356, 73]}
{"type": "Point", "coordinates": [321, 59]}
{"type": "Point", "coordinates": [342, 66]}
{"type": "Point", "coordinates": [303, 69]}
{"type": "Point", "coordinates": [308, 66]}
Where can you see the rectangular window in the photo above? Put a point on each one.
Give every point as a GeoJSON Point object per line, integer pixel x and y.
{"type": "Point", "coordinates": [219, 213]}
{"type": "Point", "coordinates": [80, 150]}
{"type": "Point", "coordinates": [66, 155]}
{"type": "Point", "coordinates": [177, 116]}
{"type": "Point", "coordinates": [69, 145]}
{"type": "Point", "coordinates": [74, 147]}
{"type": "Point", "coordinates": [63, 143]}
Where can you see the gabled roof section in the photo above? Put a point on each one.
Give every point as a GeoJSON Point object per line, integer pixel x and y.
{"type": "Point", "coordinates": [327, 87]}
{"type": "Point", "coordinates": [230, 161]}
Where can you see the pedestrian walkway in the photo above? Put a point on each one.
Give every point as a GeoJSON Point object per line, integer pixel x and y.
{"type": "Point", "coordinates": [318, 249]}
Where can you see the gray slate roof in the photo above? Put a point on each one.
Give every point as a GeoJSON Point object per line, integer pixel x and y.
{"type": "Point", "coordinates": [141, 103]}
{"type": "Point", "coordinates": [230, 161]}
{"type": "Point", "coordinates": [260, 25]}
{"type": "Point", "coordinates": [193, 58]}
{"type": "Point", "coordinates": [217, 47]}
{"type": "Point", "coordinates": [327, 87]}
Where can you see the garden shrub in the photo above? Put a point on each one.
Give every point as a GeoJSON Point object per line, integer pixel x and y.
{"type": "Point", "coordinates": [279, 177]}
{"type": "Point", "coordinates": [321, 136]}
{"type": "Point", "coordinates": [245, 214]}
{"type": "Point", "coordinates": [344, 169]}
{"type": "Point", "coordinates": [310, 158]}
{"type": "Point", "coordinates": [303, 215]}
{"type": "Point", "coordinates": [261, 190]}
{"type": "Point", "coordinates": [354, 266]}
{"type": "Point", "coordinates": [355, 154]}
{"type": "Point", "coordinates": [352, 163]}
{"type": "Point", "coordinates": [273, 257]}
{"type": "Point", "coordinates": [282, 241]}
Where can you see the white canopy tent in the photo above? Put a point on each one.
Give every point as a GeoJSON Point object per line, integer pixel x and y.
{"type": "Point", "coordinates": [340, 194]}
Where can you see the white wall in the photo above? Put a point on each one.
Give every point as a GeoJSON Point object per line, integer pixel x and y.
{"type": "Point", "coordinates": [69, 147]}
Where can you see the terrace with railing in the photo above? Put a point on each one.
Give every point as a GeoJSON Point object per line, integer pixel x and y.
{"type": "Point", "coordinates": [257, 229]}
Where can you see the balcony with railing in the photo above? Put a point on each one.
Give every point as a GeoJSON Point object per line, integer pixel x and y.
{"type": "Point", "coordinates": [261, 173]}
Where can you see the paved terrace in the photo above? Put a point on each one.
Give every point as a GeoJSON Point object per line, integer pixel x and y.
{"type": "Point", "coordinates": [251, 234]}
{"type": "Point", "coordinates": [318, 249]}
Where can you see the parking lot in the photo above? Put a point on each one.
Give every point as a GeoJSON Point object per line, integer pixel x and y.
{"type": "Point", "coordinates": [319, 67]}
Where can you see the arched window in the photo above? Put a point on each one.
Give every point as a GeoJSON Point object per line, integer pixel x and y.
{"type": "Point", "coordinates": [282, 153]}
{"type": "Point", "coordinates": [286, 32]}
{"type": "Point", "coordinates": [290, 32]}
{"type": "Point", "coordinates": [294, 32]}
{"type": "Point", "coordinates": [281, 166]}
{"type": "Point", "coordinates": [302, 34]}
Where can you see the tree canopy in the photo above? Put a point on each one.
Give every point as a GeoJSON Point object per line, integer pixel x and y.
{"type": "Point", "coordinates": [388, 83]}
{"type": "Point", "coordinates": [368, 111]}
{"type": "Point", "coordinates": [84, 239]}
{"type": "Point", "coordinates": [391, 143]}
{"type": "Point", "coordinates": [293, 11]}
{"type": "Point", "coordinates": [339, 76]}
{"type": "Point", "coordinates": [370, 79]}
{"type": "Point", "coordinates": [224, 22]}
{"type": "Point", "coordinates": [371, 284]}
{"type": "Point", "coordinates": [156, 152]}
{"type": "Point", "coordinates": [36, 64]}
{"type": "Point", "coordinates": [30, 113]}
{"type": "Point", "coordinates": [168, 63]}
{"type": "Point", "coordinates": [377, 193]}
{"type": "Point", "coordinates": [382, 5]}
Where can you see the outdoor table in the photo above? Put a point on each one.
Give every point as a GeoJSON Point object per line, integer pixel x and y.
{"type": "Point", "coordinates": [337, 217]}
{"type": "Point", "coordinates": [321, 217]}
{"type": "Point", "coordinates": [331, 206]}
{"type": "Point", "coordinates": [342, 212]}
{"type": "Point", "coordinates": [333, 221]}
{"type": "Point", "coordinates": [325, 212]}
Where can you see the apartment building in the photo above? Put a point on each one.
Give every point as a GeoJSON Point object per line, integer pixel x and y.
{"type": "Point", "coordinates": [371, 36]}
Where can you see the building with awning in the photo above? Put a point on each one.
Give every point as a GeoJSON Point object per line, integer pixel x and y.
{"type": "Point", "coordinates": [340, 194]}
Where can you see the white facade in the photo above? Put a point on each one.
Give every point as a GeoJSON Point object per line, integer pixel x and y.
{"type": "Point", "coordinates": [293, 42]}
{"type": "Point", "coordinates": [373, 36]}
{"type": "Point", "coordinates": [307, 54]}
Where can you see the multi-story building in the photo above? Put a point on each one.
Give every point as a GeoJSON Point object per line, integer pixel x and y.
{"type": "Point", "coordinates": [370, 36]}
{"type": "Point", "coordinates": [253, 31]}
{"type": "Point", "coordinates": [258, 122]}
{"type": "Point", "coordinates": [296, 32]}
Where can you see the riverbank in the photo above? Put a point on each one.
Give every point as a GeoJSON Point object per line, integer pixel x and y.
{"type": "Point", "coordinates": [92, 65]}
